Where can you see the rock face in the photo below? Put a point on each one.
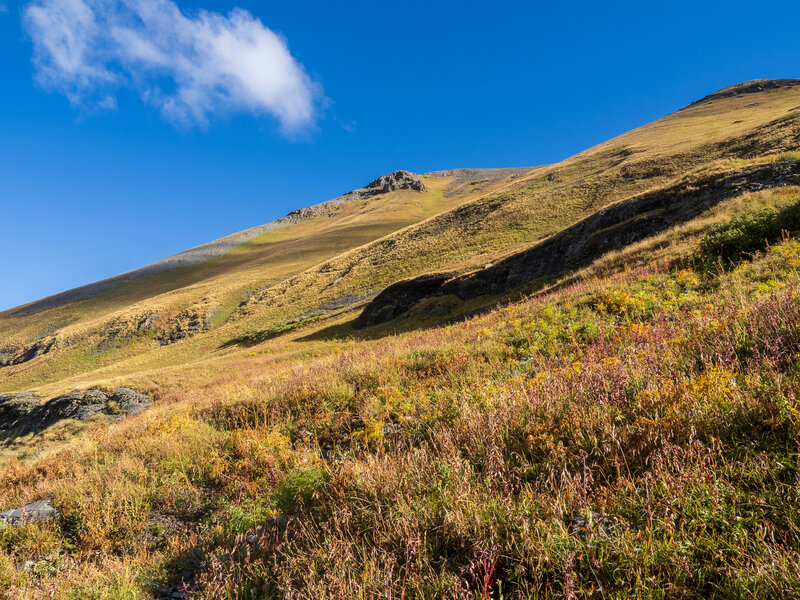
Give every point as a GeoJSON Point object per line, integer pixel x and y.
{"type": "Point", "coordinates": [399, 180]}
{"type": "Point", "coordinates": [189, 323]}
{"type": "Point", "coordinates": [30, 513]}
{"type": "Point", "coordinates": [10, 357]}
{"type": "Point", "coordinates": [399, 298]}
{"type": "Point", "coordinates": [25, 413]}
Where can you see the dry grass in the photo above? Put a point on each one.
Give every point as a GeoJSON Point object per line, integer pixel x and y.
{"type": "Point", "coordinates": [452, 462]}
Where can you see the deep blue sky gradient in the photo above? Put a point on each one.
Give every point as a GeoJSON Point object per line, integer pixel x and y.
{"type": "Point", "coordinates": [414, 85]}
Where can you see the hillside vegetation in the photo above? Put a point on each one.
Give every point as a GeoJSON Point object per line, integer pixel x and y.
{"type": "Point", "coordinates": [579, 380]}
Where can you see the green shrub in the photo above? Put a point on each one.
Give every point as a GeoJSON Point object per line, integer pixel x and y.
{"type": "Point", "coordinates": [750, 232]}
{"type": "Point", "coordinates": [7, 574]}
{"type": "Point", "coordinates": [298, 488]}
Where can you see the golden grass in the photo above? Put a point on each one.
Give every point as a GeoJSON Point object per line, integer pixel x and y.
{"type": "Point", "coordinates": [621, 395]}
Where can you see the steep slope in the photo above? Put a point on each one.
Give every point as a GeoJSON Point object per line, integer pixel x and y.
{"type": "Point", "coordinates": [320, 262]}
{"type": "Point", "coordinates": [205, 284]}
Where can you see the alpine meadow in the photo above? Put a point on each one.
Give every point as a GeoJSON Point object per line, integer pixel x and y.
{"type": "Point", "coordinates": [573, 380]}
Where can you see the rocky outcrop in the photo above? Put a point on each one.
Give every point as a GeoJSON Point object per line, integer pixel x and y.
{"type": "Point", "coordinates": [125, 328]}
{"type": "Point", "coordinates": [9, 357]}
{"type": "Point", "coordinates": [25, 413]}
{"type": "Point", "coordinates": [399, 298]}
{"type": "Point", "coordinates": [399, 180]}
{"type": "Point", "coordinates": [578, 246]}
{"type": "Point", "coordinates": [187, 324]}
{"type": "Point", "coordinates": [748, 87]}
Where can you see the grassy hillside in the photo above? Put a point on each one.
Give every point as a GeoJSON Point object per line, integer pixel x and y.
{"type": "Point", "coordinates": [623, 426]}
{"type": "Point", "coordinates": [366, 246]}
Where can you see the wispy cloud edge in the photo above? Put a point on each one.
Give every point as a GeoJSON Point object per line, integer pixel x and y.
{"type": "Point", "coordinates": [191, 68]}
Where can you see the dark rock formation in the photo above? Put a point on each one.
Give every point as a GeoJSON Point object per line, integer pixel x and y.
{"type": "Point", "coordinates": [581, 244]}
{"type": "Point", "coordinates": [399, 298]}
{"type": "Point", "coordinates": [25, 413]}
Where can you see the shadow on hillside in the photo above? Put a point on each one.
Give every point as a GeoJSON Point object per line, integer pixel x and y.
{"type": "Point", "coordinates": [340, 331]}
{"type": "Point", "coordinates": [612, 228]}
{"type": "Point", "coordinates": [349, 330]}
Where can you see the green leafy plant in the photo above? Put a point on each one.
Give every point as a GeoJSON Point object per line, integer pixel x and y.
{"type": "Point", "coordinates": [751, 231]}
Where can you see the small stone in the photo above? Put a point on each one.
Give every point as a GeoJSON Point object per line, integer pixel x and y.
{"type": "Point", "coordinates": [590, 522]}
{"type": "Point", "coordinates": [392, 429]}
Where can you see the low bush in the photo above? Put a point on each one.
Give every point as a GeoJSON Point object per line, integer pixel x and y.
{"type": "Point", "coordinates": [751, 232]}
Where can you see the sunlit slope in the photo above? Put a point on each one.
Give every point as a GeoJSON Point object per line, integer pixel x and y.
{"type": "Point", "coordinates": [216, 287]}
{"type": "Point", "coordinates": [322, 266]}
{"type": "Point", "coordinates": [549, 199]}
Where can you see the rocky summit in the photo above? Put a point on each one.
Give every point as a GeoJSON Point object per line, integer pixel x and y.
{"type": "Point", "coordinates": [399, 180]}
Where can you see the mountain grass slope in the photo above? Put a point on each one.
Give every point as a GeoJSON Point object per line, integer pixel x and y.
{"type": "Point", "coordinates": [578, 380]}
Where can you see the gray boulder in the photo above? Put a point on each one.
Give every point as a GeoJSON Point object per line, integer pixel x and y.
{"type": "Point", "coordinates": [399, 180]}
{"type": "Point", "coordinates": [25, 413]}
{"type": "Point", "coordinates": [30, 513]}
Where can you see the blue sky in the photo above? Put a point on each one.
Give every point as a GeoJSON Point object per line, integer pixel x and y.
{"type": "Point", "coordinates": [124, 157]}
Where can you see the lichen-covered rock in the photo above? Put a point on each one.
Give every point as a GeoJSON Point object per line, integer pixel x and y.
{"type": "Point", "coordinates": [192, 321]}
{"type": "Point", "coordinates": [123, 328]}
{"type": "Point", "coordinates": [30, 513]}
{"type": "Point", "coordinates": [9, 357]}
{"type": "Point", "coordinates": [130, 402]}
{"type": "Point", "coordinates": [25, 413]}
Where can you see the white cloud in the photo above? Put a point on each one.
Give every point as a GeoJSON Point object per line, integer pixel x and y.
{"type": "Point", "coordinates": [189, 67]}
